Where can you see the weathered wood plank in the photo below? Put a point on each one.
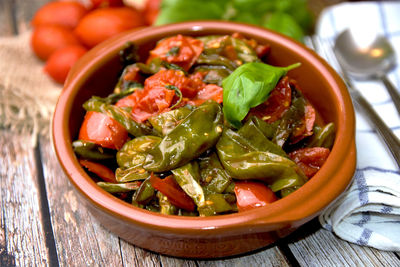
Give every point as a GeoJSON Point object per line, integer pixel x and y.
{"type": "Point", "coordinates": [268, 257]}
{"type": "Point", "coordinates": [6, 18]}
{"type": "Point", "coordinates": [135, 256]}
{"type": "Point", "coordinates": [314, 246]}
{"type": "Point", "coordinates": [22, 238]}
{"type": "Point", "coordinates": [80, 240]}
{"type": "Point", "coordinates": [24, 11]}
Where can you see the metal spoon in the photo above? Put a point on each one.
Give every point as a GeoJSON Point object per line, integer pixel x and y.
{"type": "Point", "coordinates": [367, 57]}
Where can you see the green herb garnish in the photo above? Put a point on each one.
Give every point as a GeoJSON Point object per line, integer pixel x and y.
{"type": "Point", "coordinates": [249, 86]}
{"type": "Point", "coordinates": [177, 92]}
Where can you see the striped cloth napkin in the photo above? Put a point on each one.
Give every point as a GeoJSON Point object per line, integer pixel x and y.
{"type": "Point", "coordinates": [368, 213]}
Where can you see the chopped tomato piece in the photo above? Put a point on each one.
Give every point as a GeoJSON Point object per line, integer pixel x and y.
{"type": "Point", "coordinates": [103, 130]}
{"type": "Point", "coordinates": [250, 195]}
{"type": "Point", "coordinates": [310, 159]}
{"type": "Point", "coordinates": [188, 86]}
{"type": "Point", "coordinates": [100, 170]}
{"type": "Point", "coordinates": [262, 50]}
{"type": "Point", "coordinates": [147, 103]}
{"type": "Point", "coordinates": [210, 91]}
{"type": "Point", "coordinates": [175, 194]}
{"type": "Point", "coordinates": [277, 103]}
{"type": "Point", "coordinates": [306, 128]}
{"type": "Point", "coordinates": [180, 50]}
{"type": "Point", "coordinates": [133, 74]}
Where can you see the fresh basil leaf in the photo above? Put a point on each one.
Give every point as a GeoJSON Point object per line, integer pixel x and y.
{"type": "Point", "coordinates": [284, 23]}
{"type": "Point", "coordinates": [183, 10]}
{"type": "Point", "coordinates": [249, 86]}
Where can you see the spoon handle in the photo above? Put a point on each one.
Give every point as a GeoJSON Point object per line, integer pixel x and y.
{"type": "Point", "coordinates": [391, 140]}
{"type": "Point", "coordinates": [394, 94]}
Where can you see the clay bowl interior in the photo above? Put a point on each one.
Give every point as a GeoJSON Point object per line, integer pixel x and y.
{"type": "Point", "coordinates": [224, 235]}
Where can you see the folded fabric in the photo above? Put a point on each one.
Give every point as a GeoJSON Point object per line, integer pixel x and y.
{"type": "Point", "coordinates": [368, 213]}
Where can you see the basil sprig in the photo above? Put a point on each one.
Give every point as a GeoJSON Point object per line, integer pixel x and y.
{"type": "Point", "coordinates": [249, 86]}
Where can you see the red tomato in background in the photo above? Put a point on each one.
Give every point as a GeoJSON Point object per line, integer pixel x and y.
{"type": "Point", "coordinates": [61, 61]}
{"type": "Point", "coordinates": [106, 3]}
{"type": "Point", "coordinates": [250, 195]}
{"type": "Point", "coordinates": [100, 170]}
{"type": "Point", "coordinates": [151, 10]}
{"type": "Point", "coordinates": [64, 13]}
{"type": "Point", "coordinates": [47, 39]}
{"type": "Point", "coordinates": [103, 23]}
{"type": "Point", "coordinates": [310, 159]}
{"type": "Point", "coordinates": [180, 50]}
{"type": "Point", "coordinates": [170, 188]}
{"type": "Point", "coordinates": [103, 130]}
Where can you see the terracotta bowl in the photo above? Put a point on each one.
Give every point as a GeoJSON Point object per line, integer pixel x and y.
{"type": "Point", "coordinates": [224, 235]}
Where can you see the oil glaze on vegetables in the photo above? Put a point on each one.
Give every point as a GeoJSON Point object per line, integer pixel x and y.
{"type": "Point", "coordinates": [203, 127]}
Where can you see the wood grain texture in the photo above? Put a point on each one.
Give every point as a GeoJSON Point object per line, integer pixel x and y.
{"type": "Point", "coordinates": [27, 235]}
{"type": "Point", "coordinates": [22, 238]}
{"type": "Point", "coordinates": [6, 18]}
{"type": "Point", "coordinates": [24, 11]}
{"type": "Point", "coordinates": [314, 246]}
{"type": "Point", "coordinates": [81, 241]}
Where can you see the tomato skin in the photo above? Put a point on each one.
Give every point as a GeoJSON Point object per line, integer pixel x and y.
{"type": "Point", "coordinates": [103, 23]}
{"type": "Point", "coordinates": [310, 159]}
{"type": "Point", "coordinates": [62, 60]}
{"type": "Point", "coordinates": [187, 54]}
{"type": "Point", "coordinates": [103, 130]}
{"type": "Point", "coordinates": [151, 10]}
{"type": "Point", "coordinates": [250, 195]}
{"type": "Point", "coordinates": [210, 91]}
{"type": "Point", "coordinates": [63, 13]}
{"type": "Point", "coordinates": [277, 103]}
{"type": "Point", "coordinates": [306, 128]}
{"type": "Point", "coordinates": [106, 3]}
{"type": "Point", "coordinates": [175, 194]}
{"type": "Point", "coordinates": [188, 87]}
{"type": "Point", "coordinates": [100, 170]}
{"type": "Point", "coordinates": [47, 39]}
{"type": "Point", "coordinates": [156, 98]}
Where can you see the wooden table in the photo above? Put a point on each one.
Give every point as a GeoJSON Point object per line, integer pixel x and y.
{"type": "Point", "coordinates": [43, 224]}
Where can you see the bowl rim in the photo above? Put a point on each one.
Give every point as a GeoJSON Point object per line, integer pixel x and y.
{"type": "Point", "coordinates": [315, 194]}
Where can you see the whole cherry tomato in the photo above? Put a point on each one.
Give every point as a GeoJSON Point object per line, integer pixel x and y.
{"type": "Point", "coordinates": [100, 170]}
{"type": "Point", "coordinates": [310, 159]}
{"type": "Point", "coordinates": [60, 62]}
{"type": "Point", "coordinates": [103, 130]}
{"type": "Point", "coordinates": [64, 13]}
{"type": "Point", "coordinates": [151, 10]}
{"type": "Point", "coordinates": [106, 3]}
{"type": "Point", "coordinates": [250, 195]}
{"type": "Point", "coordinates": [46, 39]}
{"type": "Point", "coordinates": [101, 24]}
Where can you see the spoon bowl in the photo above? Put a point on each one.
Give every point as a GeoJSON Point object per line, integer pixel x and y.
{"type": "Point", "coordinates": [366, 57]}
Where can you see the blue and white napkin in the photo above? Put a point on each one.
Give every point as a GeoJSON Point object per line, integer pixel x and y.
{"type": "Point", "coordinates": [368, 213]}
